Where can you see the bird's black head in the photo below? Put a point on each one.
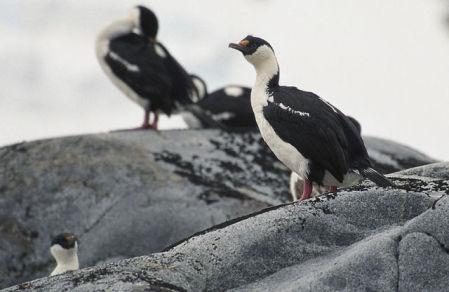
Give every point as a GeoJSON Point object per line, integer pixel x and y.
{"type": "Point", "coordinates": [65, 240]}
{"type": "Point", "coordinates": [250, 45]}
{"type": "Point", "coordinates": [147, 22]}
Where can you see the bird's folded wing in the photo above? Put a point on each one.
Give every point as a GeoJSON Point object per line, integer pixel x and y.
{"type": "Point", "coordinates": [134, 61]}
{"type": "Point", "coordinates": [183, 87]}
{"type": "Point", "coordinates": [314, 131]}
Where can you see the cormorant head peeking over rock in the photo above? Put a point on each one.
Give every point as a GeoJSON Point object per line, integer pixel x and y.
{"type": "Point", "coordinates": [64, 248]}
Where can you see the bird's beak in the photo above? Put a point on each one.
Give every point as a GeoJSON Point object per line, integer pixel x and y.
{"type": "Point", "coordinates": [239, 47]}
{"type": "Point", "coordinates": [71, 239]}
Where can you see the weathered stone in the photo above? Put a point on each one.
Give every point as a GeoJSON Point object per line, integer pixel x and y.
{"type": "Point", "coordinates": [388, 156]}
{"type": "Point", "coordinates": [128, 193]}
{"type": "Point", "coordinates": [362, 239]}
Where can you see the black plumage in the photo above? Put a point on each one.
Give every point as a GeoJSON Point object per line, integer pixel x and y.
{"type": "Point", "coordinates": [159, 80]}
{"type": "Point", "coordinates": [227, 108]}
{"type": "Point", "coordinates": [145, 66]}
{"type": "Point", "coordinates": [320, 132]}
{"type": "Point", "coordinates": [232, 111]}
{"type": "Point", "coordinates": [309, 135]}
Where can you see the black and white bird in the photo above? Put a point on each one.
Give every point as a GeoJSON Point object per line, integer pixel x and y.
{"type": "Point", "coordinates": [64, 248]}
{"type": "Point", "coordinates": [309, 135]}
{"type": "Point", "coordinates": [141, 67]}
{"type": "Point", "coordinates": [297, 183]}
{"type": "Point", "coordinates": [229, 106]}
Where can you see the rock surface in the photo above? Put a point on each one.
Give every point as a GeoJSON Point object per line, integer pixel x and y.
{"type": "Point", "coordinates": [361, 239]}
{"type": "Point", "coordinates": [133, 193]}
{"type": "Point", "coordinates": [388, 156]}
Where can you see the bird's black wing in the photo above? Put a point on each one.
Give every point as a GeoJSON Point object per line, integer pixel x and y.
{"type": "Point", "coordinates": [319, 131]}
{"type": "Point", "coordinates": [233, 110]}
{"type": "Point", "coordinates": [134, 60]}
{"type": "Point", "coordinates": [183, 87]}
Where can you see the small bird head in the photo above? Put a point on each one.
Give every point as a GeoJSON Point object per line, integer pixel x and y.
{"type": "Point", "coordinates": [254, 49]}
{"type": "Point", "coordinates": [64, 246]}
{"type": "Point", "coordinates": [146, 21]}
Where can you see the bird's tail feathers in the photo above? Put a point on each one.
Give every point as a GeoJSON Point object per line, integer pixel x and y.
{"type": "Point", "coordinates": [378, 178]}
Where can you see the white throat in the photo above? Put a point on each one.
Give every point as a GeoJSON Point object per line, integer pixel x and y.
{"type": "Point", "coordinates": [266, 68]}
{"type": "Point", "coordinates": [66, 259]}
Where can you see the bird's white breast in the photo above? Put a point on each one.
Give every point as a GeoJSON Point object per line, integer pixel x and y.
{"type": "Point", "coordinates": [66, 259]}
{"type": "Point", "coordinates": [284, 151]}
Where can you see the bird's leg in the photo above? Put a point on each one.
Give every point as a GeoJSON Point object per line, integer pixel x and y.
{"type": "Point", "coordinates": [155, 121]}
{"type": "Point", "coordinates": [307, 190]}
{"type": "Point", "coordinates": [146, 120]}
{"type": "Point", "coordinates": [333, 189]}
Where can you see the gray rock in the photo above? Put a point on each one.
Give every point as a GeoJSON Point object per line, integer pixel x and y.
{"type": "Point", "coordinates": [113, 190]}
{"type": "Point", "coordinates": [436, 170]}
{"type": "Point", "coordinates": [388, 156]}
{"type": "Point", "coordinates": [362, 239]}
{"type": "Point", "coordinates": [131, 193]}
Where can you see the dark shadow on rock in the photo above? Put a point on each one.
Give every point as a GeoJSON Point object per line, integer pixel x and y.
{"type": "Point", "coordinates": [131, 193]}
{"type": "Point", "coordinates": [369, 239]}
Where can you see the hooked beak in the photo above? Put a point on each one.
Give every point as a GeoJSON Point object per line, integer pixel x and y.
{"type": "Point", "coordinates": [239, 47]}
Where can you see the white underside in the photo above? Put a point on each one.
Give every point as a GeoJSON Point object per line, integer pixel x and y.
{"type": "Point", "coordinates": [234, 91]}
{"type": "Point", "coordinates": [297, 187]}
{"type": "Point", "coordinates": [285, 152]}
{"type": "Point", "coordinates": [66, 259]}
{"type": "Point", "coordinates": [351, 178]}
{"type": "Point", "coordinates": [102, 49]}
{"type": "Point", "coordinates": [297, 184]}
{"type": "Point", "coordinates": [63, 268]}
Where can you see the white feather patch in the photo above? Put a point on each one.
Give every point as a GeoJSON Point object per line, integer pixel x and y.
{"type": "Point", "coordinates": [223, 116]}
{"type": "Point", "coordinates": [289, 109]}
{"type": "Point", "coordinates": [160, 51]}
{"type": "Point", "coordinates": [129, 66]}
{"type": "Point", "coordinates": [234, 91]}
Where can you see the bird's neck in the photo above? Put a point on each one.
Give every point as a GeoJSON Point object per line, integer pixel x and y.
{"type": "Point", "coordinates": [66, 262]}
{"type": "Point", "coordinates": [267, 79]}
{"type": "Point", "coordinates": [71, 261]}
{"type": "Point", "coordinates": [267, 73]}
{"type": "Point", "coordinates": [69, 257]}
{"type": "Point", "coordinates": [65, 257]}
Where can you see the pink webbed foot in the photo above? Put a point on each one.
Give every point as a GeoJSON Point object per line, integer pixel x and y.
{"type": "Point", "coordinates": [307, 190]}
{"type": "Point", "coordinates": [155, 121]}
{"type": "Point", "coordinates": [146, 121]}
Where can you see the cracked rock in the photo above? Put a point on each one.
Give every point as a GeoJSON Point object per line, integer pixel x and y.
{"type": "Point", "coordinates": [134, 193]}
{"type": "Point", "coordinates": [366, 239]}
